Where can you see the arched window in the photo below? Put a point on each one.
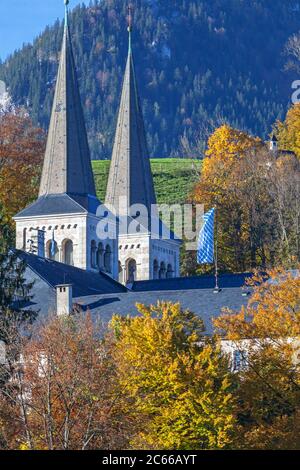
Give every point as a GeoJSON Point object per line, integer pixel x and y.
{"type": "Point", "coordinates": [162, 271]}
{"type": "Point", "coordinates": [52, 251]}
{"type": "Point", "coordinates": [155, 269]}
{"type": "Point", "coordinates": [100, 256]}
{"type": "Point", "coordinates": [120, 273]}
{"type": "Point", "coordinates": [131, 271]}
{"type": "Point", "coordinates": [170, 272]}
{"type": "Point", "coordinates": [93, 254]}
{"type": "Point", "coordinates": [107, 259]}
{"type": "Point", "coordinates": [68, 252]}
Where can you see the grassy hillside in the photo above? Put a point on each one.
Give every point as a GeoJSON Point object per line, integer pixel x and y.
{"type": "Point", "coordinates": [173, 178]}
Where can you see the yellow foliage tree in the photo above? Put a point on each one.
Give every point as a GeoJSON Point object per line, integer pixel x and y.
{"type": "Point", "coordinates": [227, 143]}
{"type": "Point", "coordinates": [177, 386]}
{"type": "Point", "coordinates": [268, 332]}
{"type": "Point", "coordinates": [220, 186]}
{"type": "Point", "coordinates": [255, 192]}
{"type": "Point", "coordinates": [288, 132]}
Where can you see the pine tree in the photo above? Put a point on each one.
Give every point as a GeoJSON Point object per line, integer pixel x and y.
{"type": "Point", "coordinates": [14, 289]}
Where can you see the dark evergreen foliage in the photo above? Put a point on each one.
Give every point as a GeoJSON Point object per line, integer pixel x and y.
{"type": "Point", "coordinates": [199, 62]}
{"type": "Point", "coordinates": [14, 289]}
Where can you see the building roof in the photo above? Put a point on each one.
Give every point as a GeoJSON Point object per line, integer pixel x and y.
{"type": "Point", "coordinates": [53, 204]}
{"type": "Point", "coordinates": [130, 173]}
{"type": "Point", "coordinates": [103, 297]}
{"type": "Point", "coordinates": [60, 204]}
{"type": "Point", "coordinates": [67, 164]}
{"type": "Point", "coordinates": [85, 283]}
{"type": "Point", "coordinates": [273, 138]}
{"type": "Point", "coordinates": [190, 283]}
{"type": "Point", "coordinates": [203, 302]}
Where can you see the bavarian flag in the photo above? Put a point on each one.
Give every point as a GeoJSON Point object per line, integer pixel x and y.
{"type": "Point", "coordinates": [206, 239]}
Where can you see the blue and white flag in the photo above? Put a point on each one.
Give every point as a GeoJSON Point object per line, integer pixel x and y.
{"type": "Point", "coordinates": [206, 239]}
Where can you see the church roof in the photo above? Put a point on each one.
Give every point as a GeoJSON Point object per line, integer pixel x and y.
{"type": "Point", "coordinates": [130, 172]}
{"type": "Point", "coordinates": [60, 204]}
{"type": "Point", "coordinates": [85, 283]}
{"type": "Point", "coordinates": [67, 164]}
{"type": "Point", "coordinates": [54, 204]}
{"type": "Point", "coordinates": [190, 283]}
{"type": "Point", "coordinates": [103, 297]}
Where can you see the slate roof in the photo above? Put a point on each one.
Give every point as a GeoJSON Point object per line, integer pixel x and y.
{"type": "Point", "coordinates": [84, 283]}
{"type": "Point", "coordinates": [59, 204]}
{"type": "Point", "coordinates": [52, 205]}
{"type": "Point", "coordinates": [104, 297]}
{"type": "Point", "coordinates": [191, 283]}
{"type": "Point", "coordinates": [204, 302]}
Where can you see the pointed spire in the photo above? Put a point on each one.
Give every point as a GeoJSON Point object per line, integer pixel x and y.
{"type": "Point", "coordinates": [130, 172]}
{"type": "Point", "coordinates": [129, 29]}
{"type": "Point", "coordinates": [67, 164]}
{"type": "Point", "coordinates": [66, 12]}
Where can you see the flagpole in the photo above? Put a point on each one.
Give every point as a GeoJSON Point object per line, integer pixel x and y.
{"type": "Point", "coordinates": [216, 254]}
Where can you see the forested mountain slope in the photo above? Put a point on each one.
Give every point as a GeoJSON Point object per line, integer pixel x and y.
{"type": "Point", "coordinates": [198, 62]}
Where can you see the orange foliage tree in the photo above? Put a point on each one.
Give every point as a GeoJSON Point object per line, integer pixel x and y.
{"type": "Point", "coordinates": [21, 150]}
{"type": "Point", "coordinates": [62, 395]}
{"type": "Point", "coordinates": [267, 332]}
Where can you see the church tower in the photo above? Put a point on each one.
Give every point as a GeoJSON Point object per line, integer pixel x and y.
{"type": "Point", "coordinates": [64, 215]}
{"type": "Point", "coordinates": [130, 188]}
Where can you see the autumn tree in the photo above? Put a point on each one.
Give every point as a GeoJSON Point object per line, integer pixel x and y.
{"type": "Point", "coordinates": [21, 150]}
{"type": "Point", "coordinates": [256, 193]}
{"type": "Point", "coordinates": [267, 331]}
{"type": "Point", "coordinates": [288, 132]}
{"type": "Point", "coordinates": [63, 395]}
{"type": "Point", "coordinates": [176, 385]}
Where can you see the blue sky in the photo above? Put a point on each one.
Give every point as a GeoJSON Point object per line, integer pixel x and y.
{"type": "Point", "coordinates": [22, 20]}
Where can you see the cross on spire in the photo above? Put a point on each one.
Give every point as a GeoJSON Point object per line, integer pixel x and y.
{"type": "Point", "coordinates": [130, 23]}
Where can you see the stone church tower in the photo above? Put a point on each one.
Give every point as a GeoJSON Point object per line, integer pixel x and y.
{"type": "Point", "coordinates": [64, 215]}
{"type": "Point", "coordinates": [143, 255]}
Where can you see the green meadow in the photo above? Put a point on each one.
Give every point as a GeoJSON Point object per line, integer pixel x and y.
{"type": "Point", "coordinates": [174, 178]}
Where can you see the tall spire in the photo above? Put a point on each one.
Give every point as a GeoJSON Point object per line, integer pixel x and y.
{"type": "Point", "coordinates": [67, 164]}
{"type": "Point", "coordinates": [130, 172]}
{"type": "Point", "coordinates": [129, 29]}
